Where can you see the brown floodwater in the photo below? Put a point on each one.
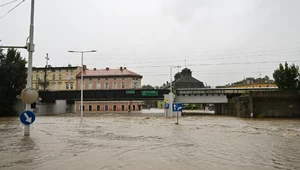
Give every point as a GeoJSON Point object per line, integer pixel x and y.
{"type": "Point", "coordinates": [139, 142]}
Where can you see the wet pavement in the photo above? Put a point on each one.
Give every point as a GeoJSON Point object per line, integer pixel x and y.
{"type": "Point", "coordinates": [139, 142]}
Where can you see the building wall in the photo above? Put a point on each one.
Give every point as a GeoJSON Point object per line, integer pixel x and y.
{"type": "Point", "coordinates": [264, 104]}
{"type": "Point", "coordinates": [112, 82]}
{"type": "Point", "coordinates": [111, 106]}
{"type": "Point", "coordinates": [256, 85]}
{"type": "Point", "coordinates": [58, 78]}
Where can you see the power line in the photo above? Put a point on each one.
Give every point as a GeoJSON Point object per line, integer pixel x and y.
{"type": "Point", "coordinates": [12, 9]}
{"type": "Point", "coordinates": [209, 64]}
{"type": "Point", "coordinates": [269, 54]}
{"type": "Point", "coordinates": [7, 3]}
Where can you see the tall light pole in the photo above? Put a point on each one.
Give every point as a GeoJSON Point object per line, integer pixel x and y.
{"type": "Point", "coordinates": [45, 76]}
{"type": "Point", "coordinates": [171, 98]}
{"type": "Point", "coordinates": [30, 48]}
{"type": "Point", "coordinates": [81, 86]}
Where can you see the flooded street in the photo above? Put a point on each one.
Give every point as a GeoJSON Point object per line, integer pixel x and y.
{"type": "Point", "coordinates": [140, 142]}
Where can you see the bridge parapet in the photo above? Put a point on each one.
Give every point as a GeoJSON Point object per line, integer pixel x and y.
{"type": "Point", "coordinates": [195, 91]}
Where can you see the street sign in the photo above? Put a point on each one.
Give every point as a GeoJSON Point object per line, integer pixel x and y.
{"type": "Point", "coordinates": [27, 117]}
{"type": "Point", "coordinates": [166, 100]}
{"type": "Point", "coordinates": [167, 105]}
{"type": "Point", "coordinates": [150, 93]}
{"type": "Point", "coordinates": [177, 107]}
{"type": "Point", "coordinates": [130, 91]}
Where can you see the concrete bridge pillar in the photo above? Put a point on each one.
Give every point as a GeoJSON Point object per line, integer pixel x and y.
{"type": "Point", "coordinates": [218, 109]}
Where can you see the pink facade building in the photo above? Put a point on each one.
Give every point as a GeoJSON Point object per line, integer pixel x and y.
{"type": "Point", "coordinates": [107, 79]}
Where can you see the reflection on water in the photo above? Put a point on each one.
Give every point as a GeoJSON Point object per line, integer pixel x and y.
{"type": "Point", "coordinates": [137, 142]}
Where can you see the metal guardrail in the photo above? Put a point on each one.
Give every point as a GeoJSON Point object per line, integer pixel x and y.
{"type": "Point", "coordinates": [182, 91]}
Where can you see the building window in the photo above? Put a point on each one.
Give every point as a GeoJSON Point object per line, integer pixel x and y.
{"type": "Point", "coordinates": [37, 77]}
{"type": "Point", "coordinates": [106, 86]}
{"type": "Point", "coordinates": [115, 108]}
{"type": "Point", "coordinates": [90, 108]}
{"type": "Point", "coordinates": [59, 77]}
{"type": "Point", "coordinates": [90, 84]}
{"type": "Point", "coordinates": [106, 107]}
{"type": "Point", "coordinates": [67, 76]}
{"type": "Point", "coordinates": [59, 86]}
{"type": "Point", "coordinates": [37, 86]}
{"type": "Point", "coordinates": [135, 85]}
{"type": "Point", "coordinates": [98, 85]}
{"type": "Point", "coordinates": [53, 76]}
{"type": "Point", "coordinates": [115, 85]}
{"type": "Point", "coordinates": [123, 107]}
{"type": "Point", "coordinates": [71, 86]}
{"type": "Point", "coordinates": [133, 107]}
{"type": "Point", "coordinates": [83, 108]}
{"type": "Point", "coordinates": [129, 107]}
{"type": "Point", "coordinates": [83, 85]}
{"type": "Point", "coordinates": [123, 85]}
{"type": "Point", "coordinates": [98, 107]}
{"type": "Point", "coordinates": [67, 86]}
{"type": "Point", "coordinates": [53, 86]}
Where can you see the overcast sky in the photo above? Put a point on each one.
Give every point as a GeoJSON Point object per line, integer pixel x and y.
{"type": "Point", "coordinates": [147, 36]}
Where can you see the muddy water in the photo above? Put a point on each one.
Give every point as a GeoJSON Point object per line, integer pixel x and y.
{"type": "Point", "coordinates": [120, 142]}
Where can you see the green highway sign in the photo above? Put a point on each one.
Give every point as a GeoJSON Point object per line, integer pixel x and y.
{"type": "Point", "coordinates": [150, 93]}
{"type": "Point", "coordinates": [130, 91]}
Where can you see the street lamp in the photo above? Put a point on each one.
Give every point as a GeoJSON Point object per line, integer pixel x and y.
{"type": "Point", "coordinates": [45, 76]}
{"type": "Point", "coordinates": [171, 92]}
{"type": "Point", "coordinates": [81, 86]}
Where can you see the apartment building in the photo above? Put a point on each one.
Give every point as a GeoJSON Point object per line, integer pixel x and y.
{"type": "Point", "coordinates": [55, 78]}
{"type": "Point", "coordinates": [108, 79]}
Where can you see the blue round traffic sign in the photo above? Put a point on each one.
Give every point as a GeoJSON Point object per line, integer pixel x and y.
{"type": "Point", "coordinates": [27, 117]}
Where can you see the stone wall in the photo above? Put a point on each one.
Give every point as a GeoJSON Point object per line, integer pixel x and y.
{"type": "Point", "coordinates": [263, 104]}
{"type": "Point", "coordinates": [276, 104]}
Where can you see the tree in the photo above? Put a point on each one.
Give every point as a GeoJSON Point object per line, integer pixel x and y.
{"type": "Point", "coordinates": [148, 86]}
{"type": "Point", "coordinates": [287, 77]}
{"type": "Point", "coordinates": [13, 74]}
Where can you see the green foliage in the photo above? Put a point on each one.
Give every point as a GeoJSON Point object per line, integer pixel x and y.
{"type": "Point", "coordinates": [148, 86]}
{"type": "Point", "coordinates": [287, 77]}
{"type": "Point", "coordinates": [260, 116]}
{"type": "Point", "coordinates": [13, 75]}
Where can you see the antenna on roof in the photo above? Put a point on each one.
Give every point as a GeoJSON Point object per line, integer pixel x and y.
{"type": "Point", "coordinates": [185, 63]}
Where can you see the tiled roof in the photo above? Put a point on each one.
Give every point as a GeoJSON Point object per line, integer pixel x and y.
{"type": "Point", "coordinates": [109, 72]}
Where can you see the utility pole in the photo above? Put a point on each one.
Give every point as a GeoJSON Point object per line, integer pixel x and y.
{"type": "Point", "coordinates": [171, 98]}
{"type": "Point", "coordinates": [30, 48]}
{"type": "Point", "coordinates": [45, 76]}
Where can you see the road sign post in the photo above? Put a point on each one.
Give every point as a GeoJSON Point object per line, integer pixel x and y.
{"type": "Point", "coordinates": [178, 108]}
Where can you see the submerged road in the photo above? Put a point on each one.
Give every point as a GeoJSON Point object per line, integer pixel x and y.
{"type": "Point", "coordinates": [139, 142]}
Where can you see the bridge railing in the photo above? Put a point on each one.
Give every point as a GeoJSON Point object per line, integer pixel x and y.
{"type": "Point", "coordinates": [183, 91]}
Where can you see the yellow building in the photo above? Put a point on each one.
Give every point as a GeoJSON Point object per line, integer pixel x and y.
{"type": "Point", "coordinates": [255, 85]}
{"type": "Point", "coordinates": [57, 78]}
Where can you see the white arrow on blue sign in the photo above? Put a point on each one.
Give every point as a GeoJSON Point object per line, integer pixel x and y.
{"type": "Point", "coordinates": [177, 107]}
{"type": "Point", "coordinates": [167, 105]}
{"type": "Point", "coordinates": [27, 117]}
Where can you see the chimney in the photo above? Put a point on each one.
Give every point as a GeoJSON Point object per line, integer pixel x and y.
{"type": "Point", "coordinates": [84, 67]}
{"type": "Point", "coordinates": [121, 68]}
{"type": "Point", "coordinates": [95, 69]}
{"type": "Point", "coordinates": [107, 68]}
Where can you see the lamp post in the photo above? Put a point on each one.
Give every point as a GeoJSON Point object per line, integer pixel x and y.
{"type": "Point", "coordinates": [45, 75]}
{"type": "Point", "coordinates": [171, 98]}
{"type": "Point", "coordinates": [81, 86]}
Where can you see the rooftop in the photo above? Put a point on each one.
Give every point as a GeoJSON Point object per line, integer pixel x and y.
{"type": "Point", "coordinates": [121, 72]}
